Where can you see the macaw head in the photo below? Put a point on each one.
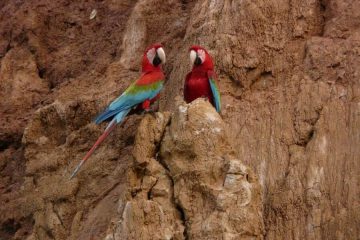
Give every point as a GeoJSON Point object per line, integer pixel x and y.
{"type": "Point", "coordinates": [200, 58]}
{"type": "Point", "coordinates": [153, 57]}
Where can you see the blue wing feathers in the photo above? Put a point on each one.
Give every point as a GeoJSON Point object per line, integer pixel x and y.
{"type": "Point", "coordinates": [120, 116]}
{"type": "Point", "coordinates": [216, 94]}
{"type": "Point", "coordinates": [105, 115]}
{"type": "Point", "coordinates": [125, 103]}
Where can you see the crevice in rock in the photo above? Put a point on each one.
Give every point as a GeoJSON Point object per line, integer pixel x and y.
{"type": "Point", "coordinates": [41, 72]}
{"type": "Point", "coordinates": [183, 220]}
{"type": "Point", "coordinates": [8, 48]}
{"type": "Point", "coordinates": [266, 74]}
{"type": "Point", "coordinates": [10, 141]}
{"type": "Point", "coordinates": [58, 216]}
{"type": "Point", "coordinates": [157, 150]}
{"type": "Point", "coordinates": [249, 69]}
{"type": "Point", "coordinates": [8, 45]}
{"type": "Point", "coordinates": [180, 209]}
{"type": "Point", "coordinates": [322, 9]}
{"type": "Point", "coordinates": [184, 4]}
{"type": "Point", "coordinates": [301, 140]}
{"type": "Point", "coordinates": [173, 198]}
{"type": "Point", "coordinates": [20, 227]}
{"type": "Point", "coordinates": [48, 232]}
{"type": "Point", "coordinates": [304, 142]}
{"type": "Point", "coordinates": [4, 144]}
{"type": "Point", "coordinates": [149, 193]}
{"type": "Point", "coordinates": [163, 164]}
{"type": "Point", "coordinates": [313, 123]}
{"type": "Point", "coordinates": [238, 83]}
{"type": "Point", "coordinates": [134, 192]}
{"type": "Point", "coordinates": [10, 226]}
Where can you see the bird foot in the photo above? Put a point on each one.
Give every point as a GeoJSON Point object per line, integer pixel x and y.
{"type": "Point", "coordinates": [145, 111]}
{"type": "Point", "coordinates": [149, 110]}
{"type": "Point", "coordinates": [205, 98]}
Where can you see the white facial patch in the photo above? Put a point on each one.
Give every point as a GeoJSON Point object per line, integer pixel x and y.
{"type": "Point", "coordinates": [161, 53]}
{"type": "Point", "coordinates": [151, 54]}
{"type": "Point", "coordinates": [201, 55]}
{"type": "Point", "coordinates": [192, 57]}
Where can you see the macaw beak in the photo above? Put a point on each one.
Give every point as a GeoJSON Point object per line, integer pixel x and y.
{"type": "Point", "coordinates": [197, 60]}
{"type": "Point", "coordinates": [156, 60]}
{"type": "Point", "coordinates": [160, 57]}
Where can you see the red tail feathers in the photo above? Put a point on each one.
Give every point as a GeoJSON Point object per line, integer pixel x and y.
{"type": "Point", "coordinates": [106, 133]}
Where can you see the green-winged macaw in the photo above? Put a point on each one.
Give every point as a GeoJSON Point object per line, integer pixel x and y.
{"type": "Point", "coordinates": [200, 82]}
{"type": "Point", "coordinates": [139, 94]}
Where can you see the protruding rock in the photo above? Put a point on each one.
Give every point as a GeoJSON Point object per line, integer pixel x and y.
{"type": "Point", "coordinates": [194, 187]}
{"type": "Point", "coordinates": [220, 197]}
{"type": "Point", "coordinates": [149, 211]}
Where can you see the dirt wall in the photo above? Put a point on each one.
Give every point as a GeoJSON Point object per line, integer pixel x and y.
{"type": "Point", "coordinates": [289, 79]}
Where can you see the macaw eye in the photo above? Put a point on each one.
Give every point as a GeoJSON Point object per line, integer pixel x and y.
{"type": "Point", "coordinates": [151, 55]}
{"type": "Point", "coordinates": [201, 55]}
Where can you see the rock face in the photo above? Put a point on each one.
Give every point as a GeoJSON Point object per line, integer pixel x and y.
{"type": "Point", "coordinates": [220, 197]}
{"type": "Point", "coordinates": [21, 91]}
{"type": "Point", "coordinates": [52, 149]}
{"type": "Point", "coordinates": [194, 187]}
{"type": "Point", "coordinates": [289, 78]}
{"type": "Point", "coordinates": [150, 201]}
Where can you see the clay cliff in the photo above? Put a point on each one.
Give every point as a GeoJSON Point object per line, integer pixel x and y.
{"type": "Point", "coordinates": [281, 161]}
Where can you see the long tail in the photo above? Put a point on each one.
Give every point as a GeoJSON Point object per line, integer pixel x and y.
{"type": "Point", "coordinates": [117, 119]}
{"type": "Point", "coordinates": [106, 133]}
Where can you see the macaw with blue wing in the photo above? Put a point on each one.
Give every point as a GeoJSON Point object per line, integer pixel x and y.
{"type": "Point", "coordinates": [200, 82]}
{"type": "Point", "coordinates": [139, 94]}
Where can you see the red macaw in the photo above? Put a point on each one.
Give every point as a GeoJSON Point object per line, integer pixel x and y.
{"type": "Point", "coordinates": [200, 82]}
{"type": "Point", "coordinates": [139, 94]}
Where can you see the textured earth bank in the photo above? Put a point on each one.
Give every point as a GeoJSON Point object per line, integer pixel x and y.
{"type": "Point", "coordinates": [193, 187]}
{"type": "Point", "coordinates": [289, 77]}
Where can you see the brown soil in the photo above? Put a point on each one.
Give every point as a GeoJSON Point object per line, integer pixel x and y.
{"type": "Point", "coordinates": [289, 79]}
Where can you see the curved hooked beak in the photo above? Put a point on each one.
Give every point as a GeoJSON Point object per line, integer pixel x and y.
{"type": "Point", "coordinates": [160, 57]}
{"type": "Point", "coordinates": [194, 58]}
